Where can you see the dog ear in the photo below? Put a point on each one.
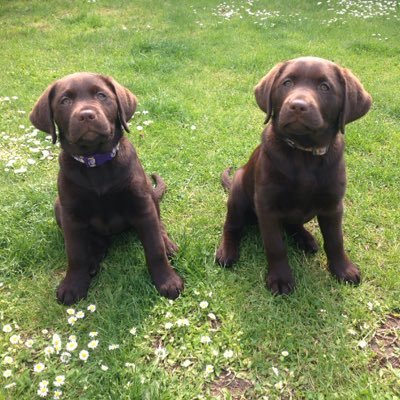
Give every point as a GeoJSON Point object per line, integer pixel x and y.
{"type": "Point", "coordinates": [357, 101]}
{"type": "Point", "coordinates": [263, 91]}
{"type": "Point", "coordinates": [41, 115]}
{"type": "Point", "coordinates": [126, 101]}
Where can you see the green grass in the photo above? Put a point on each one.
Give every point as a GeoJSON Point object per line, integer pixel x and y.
{"type": "Point", "coordinates": [188, 65]}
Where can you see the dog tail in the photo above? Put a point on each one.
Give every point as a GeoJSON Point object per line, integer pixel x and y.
{"type": "Point", "coordinates": [160, 187]}
{"type": "Point", "coordinates": [226, 180]}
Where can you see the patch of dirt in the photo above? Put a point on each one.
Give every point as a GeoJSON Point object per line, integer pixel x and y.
{"type": "Point", "coordinates": [227, 381]}
{"type": "Point", "coordinates": [386, 342]}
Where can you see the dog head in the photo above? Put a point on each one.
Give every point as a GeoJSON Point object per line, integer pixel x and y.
{"type": "Point", "coordinates": [310, 96]}
{"type": "Point", "coordinates": [90, 111]}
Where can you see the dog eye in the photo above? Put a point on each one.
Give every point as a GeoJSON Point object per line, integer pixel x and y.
{"type": "Point", "coordinates": [287, 83]}
{"type": "Point", "coordinates": [101, 96]}
{"type": "Point", "coordinates": [324, 87]}
{"type": "Point", "coordinates": [66, 101]}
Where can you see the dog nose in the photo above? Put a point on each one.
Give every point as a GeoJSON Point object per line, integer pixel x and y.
{"type": "Point", "coordinates": [86, 115]}
{"type": "Point", "coordinates": [298, 105]}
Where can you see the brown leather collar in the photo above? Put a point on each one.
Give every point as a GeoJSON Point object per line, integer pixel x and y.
{"type": "Point", "coordinates": [316, 151]}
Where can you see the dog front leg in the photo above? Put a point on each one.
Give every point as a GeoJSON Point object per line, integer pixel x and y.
{"type": "Point", "coordinates": [280, 277]}
{"type": "Point", "coordinates": [338, 261]}
{"type": "Point", "coordinates": [76, 283]}
{"type": "Point", "coordinates": [166, 280]}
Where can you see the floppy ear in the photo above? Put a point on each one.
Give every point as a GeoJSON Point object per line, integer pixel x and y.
{"type": "Point", "coordinates": [357, 101]}
{"type": "Point", "coordinates": [41, 115]}
{"type": "Point", "coordinates": [126, 101]}
{"type": "Point", "coordinates": [263, 91]}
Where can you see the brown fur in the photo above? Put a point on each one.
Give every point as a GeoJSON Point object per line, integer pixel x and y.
{"type": "Point", "coordinates": [309, 101]}
{"type": "Point", "coordinates": [91, 112]}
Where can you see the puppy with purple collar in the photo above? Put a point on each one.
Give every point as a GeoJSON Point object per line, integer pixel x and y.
{"type": "Point", "coordinates": [102, 187]}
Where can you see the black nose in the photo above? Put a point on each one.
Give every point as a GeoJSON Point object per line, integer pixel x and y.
{"type": "Point", "coordinates": [299, 106]}
{"type": "Point", "coordinates": [86, 115]}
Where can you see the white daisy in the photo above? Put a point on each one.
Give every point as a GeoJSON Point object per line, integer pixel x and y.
{"type": "Point", "coordinates": [228, 354]}
{"type": "Point", "coordinates": [29, 343]}
{"type": "Point", "coordinates": [72, 320]}
{"type": "Point", "coordinates": [93, 344]}
{"type": "Point", "coordinates": [57, 394]}
{"type": "Point", "coordinates": [93, 334]}
{"type": "Point", "coordinates": [72, 338]}
{"type": "Point", "coordinates": [168, 325]}
{"type": "Point", "coordinates": [10, 385]}
{"type": "Point", "coordinates": [71, 346]}
{"type": "Point", "coordinates": [91, 308]}
{"type": "Point", "coordinates": [48, 351]}
{"type": "Point", "coordinates": [70, 311]}
{"type": "Point", "coordinates": [113, 346]}
{"type": "Point", "coordinates": [15, 339]}
{"type": "Point", "coordinates": [80, 315]}
{"type": "Point", "coordinates": [285, 353]}
{"type": "Point", "coordinates": [212, 316]}
{"type": "Point", "coordinates": [59, 380]}
{"type": "Point", "coordinates": [362, 344]}
{"type": "Point", "coordinates": [205, 339]}
{"type": "Point", "coordinates": [133, 331]}
{"type": "Point", "coordinates": [8, 360]}
{"type": "Point", "coordinates": [65, 356]}
{"type": "Point", "coordinates": [43, 383]}
{"type": "Point", "coordinates": [84, 355]}
{"type": "Point", "coordinates": [203, 304]}
{"type": "Point", "coordinates": [39, 367]}
{"type": "Point", "coordinates": [209, 369]}
{"type": "Point", "coordinates": [7, 328]}
{"type": "Point", "coordinates": [186, 363]}
{"type": "Point", "coordinates": [104, 368]}
{"type": "Point", "coordinates": [7, 373]}
{"type": "Point", "coordinates": [161, 352]}
{"type": "Point", "coordinates": [43, 391]}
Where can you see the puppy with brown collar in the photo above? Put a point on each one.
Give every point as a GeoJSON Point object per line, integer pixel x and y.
{"type": "Point", "coordinates": [298, 170]}
{"type": "Point", "coordinates": [102, 188]}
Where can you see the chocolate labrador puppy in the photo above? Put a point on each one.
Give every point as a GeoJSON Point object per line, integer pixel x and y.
{"type": "Point", "coordinates": [102, 187]}
{"type": "Point", "coordinates": [298, 171]}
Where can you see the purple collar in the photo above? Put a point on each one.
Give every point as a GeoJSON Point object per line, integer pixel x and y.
{"type": "Point", "coordinates": [97, 159]}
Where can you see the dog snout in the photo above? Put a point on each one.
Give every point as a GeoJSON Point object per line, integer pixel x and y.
{"type": "Point", "coordinates": [86, 115]}
{"type": "Point", "coordinates": [299, 106]}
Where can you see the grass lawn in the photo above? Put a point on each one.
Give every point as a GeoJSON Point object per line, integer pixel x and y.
{"type": "Point", "coordinates": [193, 66]}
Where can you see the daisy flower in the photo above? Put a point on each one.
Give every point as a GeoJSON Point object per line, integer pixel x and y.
{"type": "Point", "coordinates": [209, 369]}
{"type": "Point", "coordinates": [113, 346]}
{"type": "Point", "coordinates": [93, 334]}
{"type": "Point", "coordinates": [285, 353]}
{"type": "Point", "coordinates": [362, 344]}
{"type": "Point", "coordinates": [104, 368]}
{"type": "Point", "coordinates": [80, 315]}
{"type": "Point", "coordinates": [91, 308]}
{"type": "Point", "coordinates": [29, 343]}
{"type": "Point", "coordinates": [59, 380]}
{"type": "Point", "coordinates": [161, 352]}
{"type": "Point", "coordinates": [228, 354]}
{"type": "Point", "coordinates": [71, 346]}
{"type": "Point", "coordinates": [7, 373]}
{"type": "Point", "coordinates": [275, 371]}
{"type": "Point", "coordinates": [193, 127]}
{"type": "Point", "coordinates": [15, 339]}
{"type": "Point", "coordinates": [70, 311]}
{"type": "Point", "coordinates": [65, 356]}
{"type": "Point", "coordinates": [7, 328]}
{"type": "Point", "coordinates": [57, 342]}
{"type": "Point", "coordinates": [43, 391]}
{"type": "Point", "coordinates": [203, 304]}
{"type": "Point", "coordinates": [84, 355]}
{"type": "Point", "coordinates": [43, 383]}
{"type": "Point", "coordinates": [133, 331]}
{"type": "Point", "coordinates": [93, 344]}
{"type": "Point", "coordinates": [205, 339]}
{"type": "Point", "coordinates": [8, 360]}
{"type": "Point", "coordinates": [48, 351]}
{"type": "Point", "coordinates": [57, 394]}
{"type": "Point", "coordinates": [168, 325]}
{"type": "Point", "coordinates": [39, 367]}
{"type": "Point", "coordinates": [10, 385]}
{"type": "Point", "coordinates": [72, 338]}
{"type": "Point", "coordinates": [72, 320]}
{"type": "Point", "coordinates": [186, 363]}
{"type": "Point", "coordinates": [139, 127]}
{"type": "Point", "coordinates": [212, 316]}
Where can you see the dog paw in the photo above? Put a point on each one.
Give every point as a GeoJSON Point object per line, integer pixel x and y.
{"type": "Point", "coordinates": [72, 289]}
{"type": "Point", "coordinates": [226, 258]}
{"type": "Point", "coordinates": [346, 272]}
{"type": "Point", "coordinates": [280, 282]}
{"type": "Point", "coordinates": [169, 285]}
